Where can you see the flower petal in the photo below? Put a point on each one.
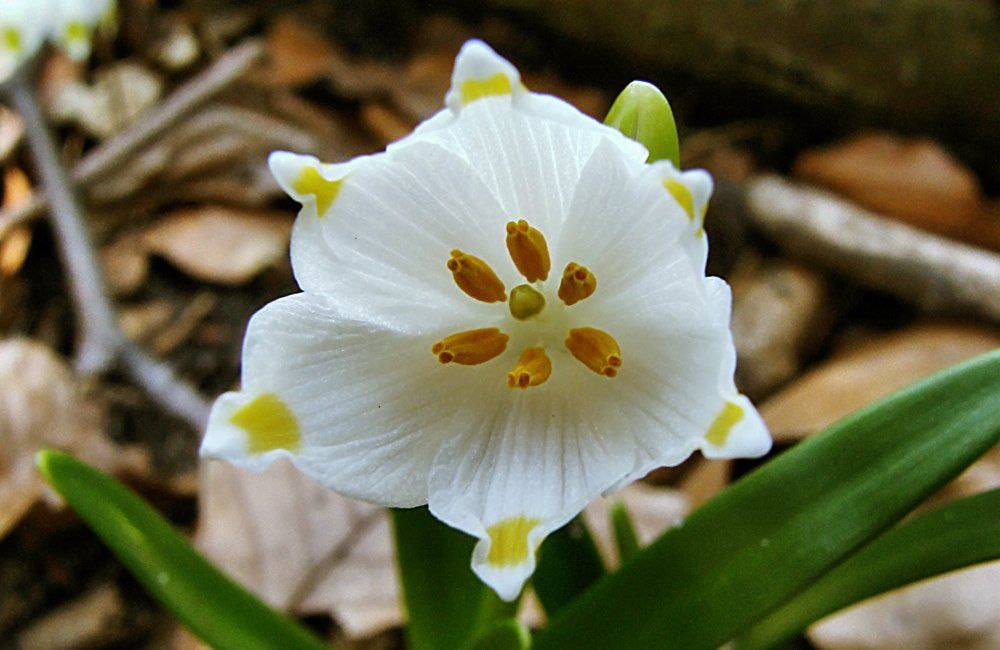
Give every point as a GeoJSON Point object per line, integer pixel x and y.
{"type": "Point", "coordinates": [480, 72]}
{"type": "Point", "coordinates": [22, 30]}
{"type": "Point", "coordinates": [359, 407]}
{"type": "Point", "coordinates": [691, 190]}
{"type": "Point", "coordinates": [312, 183]}
{"type": "Point", "coordinates": [625, 229]}
{"type": "Point", "coordinates": [517, 465]}
{"type": "Point", "coordinates": [389, 236]}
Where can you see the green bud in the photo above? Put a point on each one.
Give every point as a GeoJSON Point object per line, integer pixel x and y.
{"type": "Point", "coordinates": [642, 113]}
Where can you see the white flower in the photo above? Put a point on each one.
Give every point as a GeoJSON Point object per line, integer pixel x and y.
{"type": "Point", "coordinates": [74, 23]}
{"type": "Point", "coordinates": [23, 27]}
{"type": "Point", "coordinates": [504, 315]}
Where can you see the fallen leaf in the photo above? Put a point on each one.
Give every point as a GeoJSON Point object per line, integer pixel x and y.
{"type": "Point", "coordinates": [178, 48]}
{"type": "Point", "coordinates": [958, 611]}
{"type": "Point", "coordinates": [93, 620]}
{"type": "Point", "coordinates": [868, 371]}
{"type": "Point", "coordinates": [11, 132]}
{"type": "Point", "coordinates": [913, 180]}
{"type": "Point", "coordinates": [40, 406]}
{"type": "Point", "coordinates": [384, 123]}
{"type": "Point", "coordinates": [297, 54]}
{"type": "Point", "coordinates": [142, 321]}
{"type": "Point", "coordinates": [121, 92]}
{"type": "Point", "coordinates": [299, 546]}
{"type": "Point", "coordinates": [125, 263]}
{"type": "Point", "coordinates": [780, 315]}
{"type": "Point", "coordinates": [221, 245]}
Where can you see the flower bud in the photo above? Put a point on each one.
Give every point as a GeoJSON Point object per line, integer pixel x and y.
{"type": "Point", "coordinates": [642, 113]}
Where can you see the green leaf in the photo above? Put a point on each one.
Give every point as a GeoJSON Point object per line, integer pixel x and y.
{"type": "Point", "coordinates": [447, 605]}
{"type": "Point", "coordinates": [951, 537]}
{"type": "Point", "coordinates": [642, 113]}
{"type": "Point", "coordinates": [625, 537]}
{"type": "Point", "coordinates": [508, 634]}
{"type": "Point", "coordinates": [782, 527]}
{"type": "Point", "coordinates": [568, 563]}
{"type": "Point", "coordinates": [219, 611]}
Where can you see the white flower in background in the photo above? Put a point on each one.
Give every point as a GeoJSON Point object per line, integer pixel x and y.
{"type": "Point", "coordinates": [70, 24]}
{"type": "Point", "coordinates": [23, 28]}
{"type": "Point", "coordinates": [504, 315]}
{"type": "Point", "coordinates": [75, 21]}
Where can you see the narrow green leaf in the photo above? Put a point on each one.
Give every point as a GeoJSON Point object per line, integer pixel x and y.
{"type": "Point", "coordinates": [568, 563]}
{"type": "Point", "coordinates": [508, 634]}
{"type": "Point", "coordinates": [625, 537]}
{"type": "Point", "coordinates": [642, 113]}
{"type": "Point", "coordinates": [951, 537]}
{"type": "Point", "coordinates": [777, 530]}
{"type": "Point", "coordinates": [216, 609]}
{"type": "Point", "coordinates": [447, 605]}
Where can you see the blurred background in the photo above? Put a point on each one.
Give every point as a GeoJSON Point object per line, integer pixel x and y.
{"type": "Point", "coordinates": [854, 146]}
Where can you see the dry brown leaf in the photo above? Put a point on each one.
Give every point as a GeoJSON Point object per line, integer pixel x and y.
{"type": "Point", "coordinates": [912, 180]}
{"type": "Point", "coordinates": [870, 370]}
{"type": "Point", "coordinates": [297, 54]}
{"type": "Point", "coordinates": [90, 621]}
{"type": "Point", "coordinates": [11, 132]}
{"type": "Point", "coordinates": [959, 611]}
{"type": "Point", "coordinates": [121, 92]}
{"type": "Point", "coordinates": [40, 407]}
{"type": "Point", "coordinates": [780, 314]}
{"type": "Point", "coordinates": [125, 263]}
{"type": "Point", "coordinates": [384, 123]}
{"type": "Point", "coordinates": [221, 245]}
{"type": "Point", "coordinates": [300, 546]}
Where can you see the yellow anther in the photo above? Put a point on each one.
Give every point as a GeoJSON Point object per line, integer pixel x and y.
{"type": "Point", "coordinates": [596, 349]}
{"type": "Point", "coordinates": [532, 369]}
{"type": "Point", "coordinates": [577, 283]}
{"type": "Point", "coordinates": [310, 181]}
{"type": "Point", "coordinates": [526, 302]}
{"type": "Point", "coordinates": [528, 250]}
{"type": "Point", "coordinates": [476, 278]}
{"type": "Point", "coordinates": [472, 347]}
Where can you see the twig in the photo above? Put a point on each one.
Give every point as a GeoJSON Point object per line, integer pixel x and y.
{"type": "Point", "coordinates": [101, 342]}
{"type": "Point", "coordinates": [99, 336]}
{"type": "Point", "coordinates": [935, 273]}
{"type": "Point", "coordinates": [114, 151]}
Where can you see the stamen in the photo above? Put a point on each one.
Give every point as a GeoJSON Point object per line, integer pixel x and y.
{"type": "Point", "coordinates": [532, 369]}
{"type": "Point", "coordinates": [577, 283]}
{"type": "Point", "coordinates": [472, 347]}
{"type": "Point", "coordinates": [476, 278]}
{"type": "Point", "coordinates": [596, 349]}
{"type": "Point", "coordinates": [525, 302]}
{"type": "Point", "coordinates": [528, 250]}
